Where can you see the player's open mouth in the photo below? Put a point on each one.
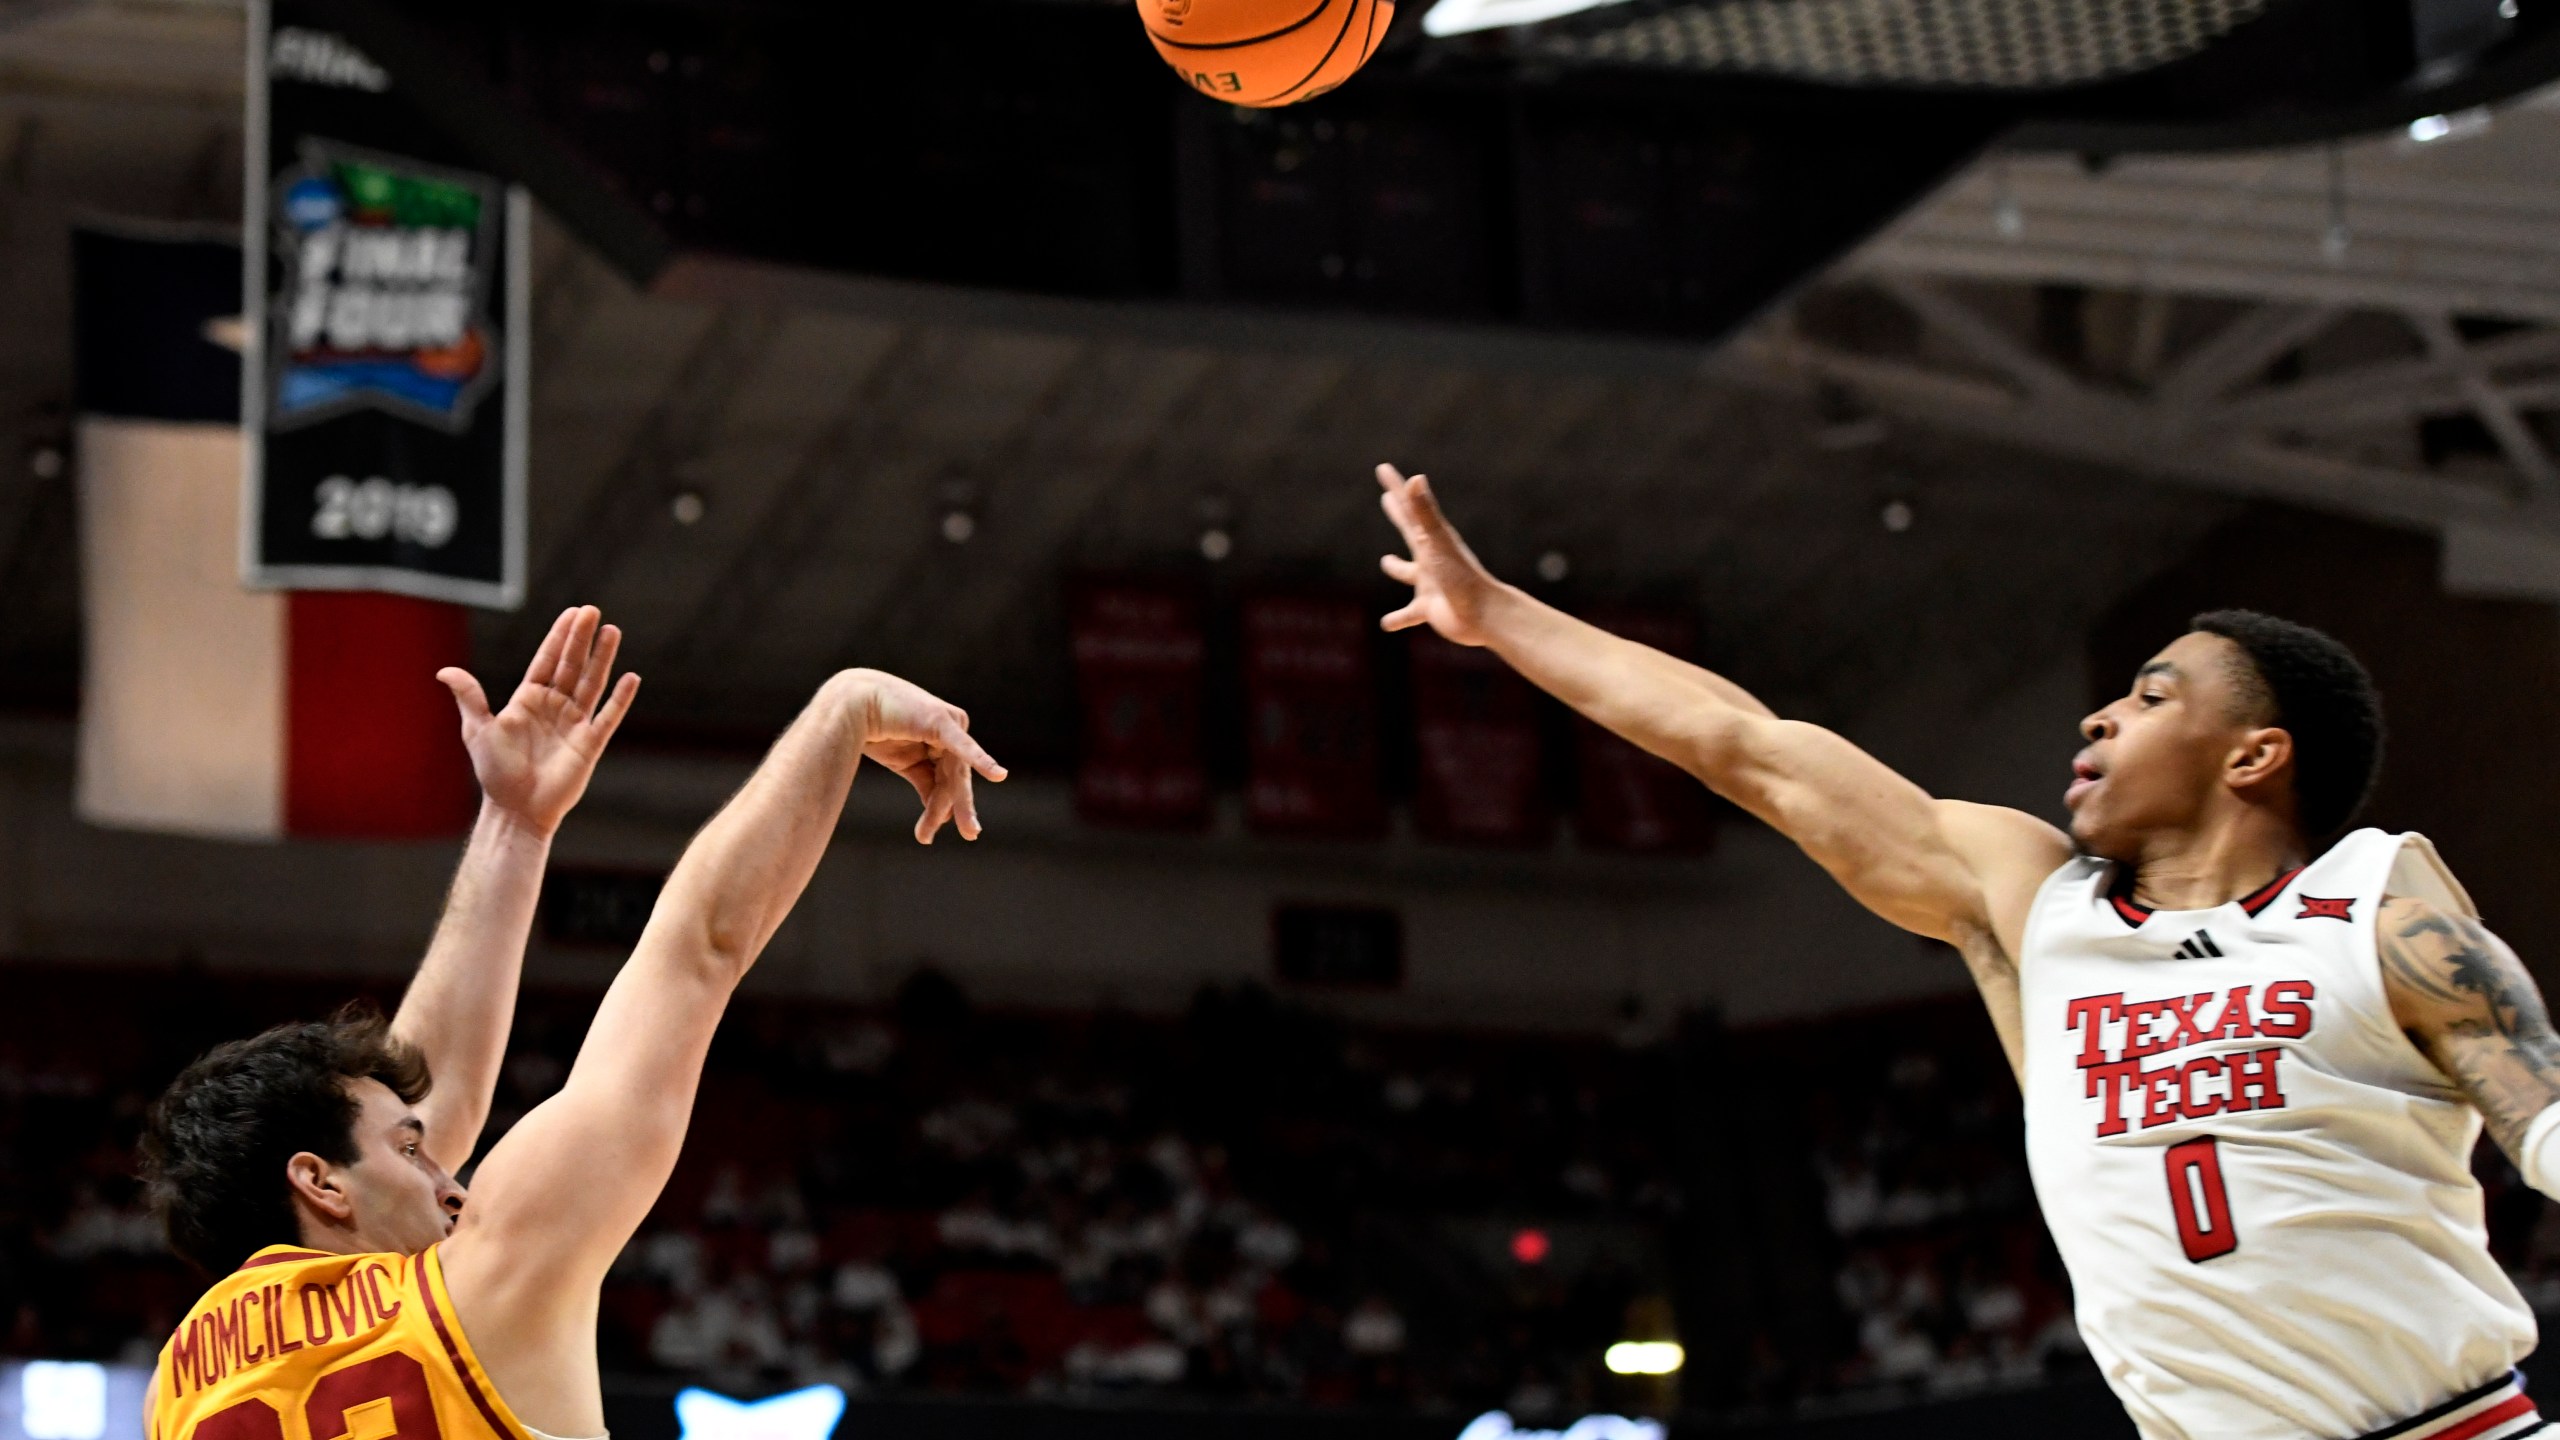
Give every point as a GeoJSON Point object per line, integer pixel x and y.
{"type": "Point", "coordinates": [2084, 778]}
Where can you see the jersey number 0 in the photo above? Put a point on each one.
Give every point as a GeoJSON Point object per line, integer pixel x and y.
{"type": "Point", "coordinates": [2196, 1198]}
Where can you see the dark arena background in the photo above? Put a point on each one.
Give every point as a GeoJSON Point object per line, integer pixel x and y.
{"type": "Point", "coordinates": [1332, 1036]}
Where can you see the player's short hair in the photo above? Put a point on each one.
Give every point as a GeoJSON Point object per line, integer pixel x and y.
{"type": "Point", "coordinates": [2315, 689]}
{"type": "Point", "coordinates": [215, 1144]}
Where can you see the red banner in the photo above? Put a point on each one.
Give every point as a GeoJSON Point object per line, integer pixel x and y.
{"type": "Point", "coordinates": [1312, 749]}
{"type": "Point", "coordinates": [1630, 801]}
{"type": "Point", "coordinates": [1476, 738]}
{"type": "Point", "coordinates": [1139, 657]}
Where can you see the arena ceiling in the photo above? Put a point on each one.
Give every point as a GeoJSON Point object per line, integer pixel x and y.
{"type": "Point", "coordinates": [755, 469]}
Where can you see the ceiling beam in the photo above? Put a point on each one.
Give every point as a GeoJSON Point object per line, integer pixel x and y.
{"type": "Point", "coordinates": [677, 428]}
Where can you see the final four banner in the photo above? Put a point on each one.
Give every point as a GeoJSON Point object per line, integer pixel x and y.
{"type": "Point", "coordinates": [384, 406]}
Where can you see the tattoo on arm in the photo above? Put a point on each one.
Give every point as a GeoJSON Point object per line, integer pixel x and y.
{"type": "Point", "coordinates": [2469, 1003]}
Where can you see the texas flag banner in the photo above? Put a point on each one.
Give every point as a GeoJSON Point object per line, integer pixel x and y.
{"type": "Point", "coordinates": [209, 709]}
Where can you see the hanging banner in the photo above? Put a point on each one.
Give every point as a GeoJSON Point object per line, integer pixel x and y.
{"type": "Point", "coordinates": [1628, 800]}
{"type": "Point", "coordinates": [383, 408]}
{"type": "Point", "coordinates": [207, 709]}
{"type": "Point", "coordinates": [1476, 737]}
{"type": "Point", "coordinates": [1311, 705]}
{"type": "Point", "coordinates": [1140, 655]}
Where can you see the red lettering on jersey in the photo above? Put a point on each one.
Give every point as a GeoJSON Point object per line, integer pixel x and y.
{"type": "Point", "coordinates": [226, 1341]}
{"type": "Point", "coordinates": [374, 1275]}
{"type": "Point", "coordinates": [2184, 1013]}
{"type": "Point", "coordinates": [2288, 1012]}
{"type": "Point", "coordinates": [316, 1328]}
{"type": "Point", "coordinates": [285, 1344]}
{"type": "Point", "coordinates": [343, 1303]}
{"type": "Point", "coordinates": [2107, 1085]}
{"type": "Point", "coordinates": [2089, 1015]}
{"type": "Point", "coordinates": [2137, 1022]}
{"type": "Point", "coordinates": [2159, 1096]}
{"type": "Point", "coordinates": [2253, 1074]}
{"type": "Point", "coordinates": [186, 1361]}
{"type": "Point", "coordinates": [2190, 1106]}
{"type": "Point", "coordinates": [252, 1348]}
{"type": "Point", "coordinates": [2234, 1024]}
{"type": "Point", "coordinates": [2315, 908]}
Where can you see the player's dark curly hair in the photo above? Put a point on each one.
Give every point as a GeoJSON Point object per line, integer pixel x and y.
{"type": "Point", "coordinates": [2317, 691]}
{"type": "Point", "coordinates": [215, 1144]}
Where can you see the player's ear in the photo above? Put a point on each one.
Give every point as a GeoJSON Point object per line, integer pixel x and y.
{"type": "Point", "coordinates": [318, 1187]}
{"type": "Point", "coordinates": [2262, 754]}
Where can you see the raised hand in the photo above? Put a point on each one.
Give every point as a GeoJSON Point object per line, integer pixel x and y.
{"type": "Point", "coordinates": [534, 758]}
{"type": "Point", "coordinates": [1451, 587]}
{"type": "Point", "coordinates": [926, 741]}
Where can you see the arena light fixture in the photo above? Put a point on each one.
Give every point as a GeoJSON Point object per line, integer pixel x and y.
{"type": "Point", "coordinates": [62, 1400]}
{"type": "Point", "coordinates": [1457, 17]}
{"type": "Point", "coordinates": [810, 1413]}
{"type": "Point", "coordinates": [1645, 1357]}
{"type": "Point", "coordinates": [1498, 1425]}
{"type": "Point", "coordinates": [2454, 125]}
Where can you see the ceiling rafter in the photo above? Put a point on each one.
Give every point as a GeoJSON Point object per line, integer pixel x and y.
{"type": "Point", "coordinates": [827, 480]}
{"type": "Point", "coordinates": [679, 424]}
{"type": "Point", "coordinates": [1037, 483]}
{"type": "Point", "coordinates": [2306, 441]}
{"type": "Point", "coordinates": [1003, 583]}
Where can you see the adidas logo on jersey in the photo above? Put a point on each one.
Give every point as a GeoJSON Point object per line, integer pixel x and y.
{"type": "Point", "coordinates": [2200, 946]}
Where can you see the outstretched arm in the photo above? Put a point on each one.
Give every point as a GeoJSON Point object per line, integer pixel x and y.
{"type": "Point", "coordinates": [2470, 1004]}
{"type": "Point", "coordinates": [533, 760]}
{"type": "Point", "coordinates": [559, 1197]}
{"type": "Point", "coordinates": [1953, 871]}
{"type": "Point", "coordinates": [1941, 868]}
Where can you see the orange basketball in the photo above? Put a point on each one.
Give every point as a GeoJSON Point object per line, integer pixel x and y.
{"type": "Point", "coordinates": [1266, 52]}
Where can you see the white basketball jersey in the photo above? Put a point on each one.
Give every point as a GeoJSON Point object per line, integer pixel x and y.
{"type": "Point", "coordinates": [2261, 1187]}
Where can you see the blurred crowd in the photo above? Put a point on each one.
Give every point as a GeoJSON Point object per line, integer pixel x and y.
{"type": "Point", "coordinates": [1944, 1271]}
{"type": "Point", "coordinates": [1248, 1201]}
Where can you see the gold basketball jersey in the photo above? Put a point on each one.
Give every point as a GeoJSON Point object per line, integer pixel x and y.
{"type": "Point", "coordinates": [299, 1345]}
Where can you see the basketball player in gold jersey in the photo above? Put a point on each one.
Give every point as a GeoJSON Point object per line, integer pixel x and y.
{"type": "Point", "coordinates": [366, 1298]}
{"type": "Point", "coordinates": [246, 1107]}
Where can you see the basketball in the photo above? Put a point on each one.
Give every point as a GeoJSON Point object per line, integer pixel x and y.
{"type": "Point", "coordinates": [1265, 52]}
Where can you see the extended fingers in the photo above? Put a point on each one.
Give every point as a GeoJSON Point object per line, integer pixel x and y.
{"type": "Point", "coordinates": [599, 670]}
{"type": "Point", "coordinates": [1423, 503]}
{"type": "Point", "coordinates": [616, 705]}
{"type": "Point", "coordinates": [956, 779]}
{"type": "Point", "coordinates": [468, 697]}
{"type": "Point", "coordinates": [955, 738]}
{"type": "Point", "coordinates": [546, 659]}
{"type": "Point", "coordinates": [1404, 619]}
{"type": "Point", "coordinates": [937, 804]}
{"type": "Point", "coordinates": [1400, 568]}
{"type": "Point", "coordinates": [575, 649]}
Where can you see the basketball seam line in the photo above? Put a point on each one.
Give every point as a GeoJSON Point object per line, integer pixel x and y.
{"type": "Point", "coordinates": [1300, 23]}
{"type": "Point", "coordinates": [1329, 52]}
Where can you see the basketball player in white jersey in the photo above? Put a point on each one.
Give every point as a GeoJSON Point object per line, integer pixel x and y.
{"type": "Point", "coordinates": [2256, 1056]}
